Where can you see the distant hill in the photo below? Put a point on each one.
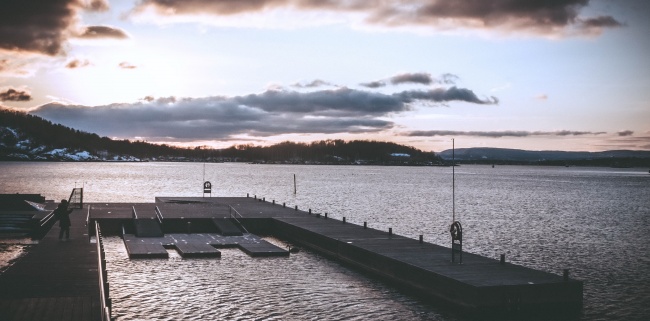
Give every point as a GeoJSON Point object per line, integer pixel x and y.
{"type": "Point", "coordinates": [622, 158]}
{"type": "Point", "coordinates": [28, 137]}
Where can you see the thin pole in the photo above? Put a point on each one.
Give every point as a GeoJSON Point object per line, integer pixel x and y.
{"type": "Point", "coordinates": [294, 184]}
{"type": "Point", "coordinates": [453, 181]}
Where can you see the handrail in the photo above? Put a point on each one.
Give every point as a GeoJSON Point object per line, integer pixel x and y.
{"type": "Point", "coordinates": [135, 215]}
{"type": "Point", "coordinates": [235, 218]}
{"type": "Point", "coordinates": [104, 296]}
{"type": "Point", "coordinates": [77, 194]}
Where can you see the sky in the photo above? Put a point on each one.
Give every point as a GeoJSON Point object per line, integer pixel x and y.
{"type": "Point", "coordinates": [568, 75]}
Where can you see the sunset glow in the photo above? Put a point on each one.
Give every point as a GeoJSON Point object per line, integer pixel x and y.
{"type": "Point", "coordinates": [537, 75]}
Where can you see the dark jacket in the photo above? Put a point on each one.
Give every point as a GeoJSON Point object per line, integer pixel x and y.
{"type": "Point", "coordinates": [62, 213]}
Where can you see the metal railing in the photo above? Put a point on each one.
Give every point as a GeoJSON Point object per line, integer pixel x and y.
{"type": "Point", "coordinates": [76, 199]}
{"type": "Point", "coordinates": [104, 296]}
{"type": "Point", "coordinates": [232, 209]}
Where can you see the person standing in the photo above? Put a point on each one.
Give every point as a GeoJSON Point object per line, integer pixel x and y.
{"type": "Point", "coordinates": [62, 213]}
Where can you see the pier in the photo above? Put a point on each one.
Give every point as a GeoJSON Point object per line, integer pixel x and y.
{"type": "Point", "coordinates": [56, 279]}
{"type": "Point", "coordinates": [60, 277]}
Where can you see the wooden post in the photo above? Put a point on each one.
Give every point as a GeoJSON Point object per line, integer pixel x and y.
{"type": "Point", "coordinates": [343, 219]}
{"type": "Point", "coordinates": [294, 184]}
{"type": "Point", "coordinates": [503, 259]}
{"type": "Point", "coordinates": [365, 224]}
{"type": "Point", "coordinates": [390, 231]}
{"type": "Point", "coordinates": [421, 239]}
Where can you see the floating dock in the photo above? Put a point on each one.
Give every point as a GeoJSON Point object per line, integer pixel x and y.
{"type": "Point", "coordinates": [479, 284]}
{"type": "Point", "coordinates": [62, 279]}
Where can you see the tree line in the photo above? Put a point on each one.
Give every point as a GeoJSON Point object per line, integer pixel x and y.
{"type": "Point", "coordinates": [41, 132]}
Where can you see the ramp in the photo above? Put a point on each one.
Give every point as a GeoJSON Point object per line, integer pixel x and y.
{"type": "Point", "coordinates": [226, 227]}
{"type": "Point", "coordinates": [147, 227]}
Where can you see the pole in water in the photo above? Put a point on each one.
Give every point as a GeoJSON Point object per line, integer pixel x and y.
{"type": "Point", "coordinates": [453, 180]}
{"type": "Point", "coordinates": [294, 184]}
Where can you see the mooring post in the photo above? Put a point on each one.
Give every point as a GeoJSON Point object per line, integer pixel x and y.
{"type": "Point", "coordinates": [325, 214]}
{"type": "Point", "coordinates": [503, 259]}
{"type": "Point", "coordinates": [263, 199]}
{"type": "Point", "coordinates": [421, 239]}
{"type": "Point", "coordinates": [343, 219]}
{"type": "Point", "coordinates": [565, 275]}
{"type": "Point", "coordinates": [273, 202]}
{"type": "Point", "coordinates": [284, 204]}
{"type": "Point", "coordinates": [390, 231]}
{"type": "Point", "coordinates": [296, 208]}
{"type": "Point", "coordinates": [247, 195]}
{"type": "Point", "coordinates": [365, 224]}
{"type": "Point", "coordinates": [255, 197]}
{"type": "Point", "coordinates": [310, 211]}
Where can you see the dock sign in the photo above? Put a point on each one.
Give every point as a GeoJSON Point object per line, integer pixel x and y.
{"type": "Point", "coordinates": [207, 188]}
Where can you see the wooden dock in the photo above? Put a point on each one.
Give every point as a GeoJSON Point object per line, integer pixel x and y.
{"type": "Point", "coordinates": [55, 280]}
{"type": "Point", "coordinates": [59, 280]}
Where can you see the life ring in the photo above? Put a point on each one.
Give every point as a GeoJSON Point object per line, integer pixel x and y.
{"type": "Point", "coordinates": [456, 231]}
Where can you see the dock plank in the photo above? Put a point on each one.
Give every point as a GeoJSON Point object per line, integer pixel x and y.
{"type": "Point", "coordinates": [37, 286]}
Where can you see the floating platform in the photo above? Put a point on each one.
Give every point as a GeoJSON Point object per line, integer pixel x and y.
{"type": "Point", "coordinates": [198, 245]}
{"type": "Point", "coordinates": [479, 285]}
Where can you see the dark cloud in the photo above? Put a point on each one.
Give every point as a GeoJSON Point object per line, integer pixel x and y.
{"type": "Point", "coordinates": [373, 84]}
{"type": "Point", "coordinates": [539, 16]}
{"type": "Point", "coordinates": [14, 95]}
{"type": "Point", "coordinates": [127, 65]}
{"type": "Point", "coordinates": [442, 95]}
{"type": "Point", "coordinates": [498, 134]}
{"type": "Point", "coordinates": [77, 63]}
{"type": "Point", "coordinates": [273, 112]}
{"type": "Point", "coordinates": [413, 78]}
{"type": "Point", "coordinates": [41, 26]}
{"type": "Point", "coordinates": [601, 22]}
{"type": "Point", "coordinates": [421, 78]}
{"type": "Point", "coordinates": [626, 133]}
{"type": "Point", "coordinates": [101, 32]}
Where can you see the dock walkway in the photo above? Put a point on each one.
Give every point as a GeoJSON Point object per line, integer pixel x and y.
{"type": "Point", "coordinates": [55, 280]}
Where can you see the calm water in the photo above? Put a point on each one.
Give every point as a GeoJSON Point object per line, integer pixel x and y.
{"type": "Point", "coordinates": [593, 221]}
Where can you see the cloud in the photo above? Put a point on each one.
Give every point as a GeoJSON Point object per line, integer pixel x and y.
{"type": "Point", "coordinates": [272, 112]}
{"type": "Point", "coordinates": [533, 16]}
{"type": "Point", "coordinates": [41, 26]}
{"type": "Point", "coordinates": [312, 84]}
{"type": "Point", "coordinates": [442, 95]}
{"type": "Point", "coordinates": [625, 133]}
{"type": "Point", "coordinates": [413, 78]}
{"type": "Point", "coordinates": [374, 84]}
{"type": "Point", "coordinates": [127, 65]}
{"type": "Point", "coordinates": [77, 63]}
{"type": "Point", "coordinates": [102, 32]}
{"type": "Point", "coordinates": [421, 78]}
{"type": "Point", "coordinates": [11, 94]}
{"type": "Point", "coordinates": [498, 134]}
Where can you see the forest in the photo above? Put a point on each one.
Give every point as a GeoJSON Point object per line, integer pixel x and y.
{"type": "Point", "coordinates": [40, 132]}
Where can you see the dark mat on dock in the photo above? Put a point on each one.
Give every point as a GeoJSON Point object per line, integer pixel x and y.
{"type": "Point", "coordinates": [196, 250]}
{"type": "Point", "coordinates": [147, 227]}
{"type": "Point", "coordinates": [144, 247]}
{"type": "Point", "coordinates": [226, 227]}
{"type": "Point", "coordinates": [262, 249]}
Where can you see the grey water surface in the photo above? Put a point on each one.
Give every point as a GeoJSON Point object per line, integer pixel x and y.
{"type": "Point", "coordinates": [593, 221]}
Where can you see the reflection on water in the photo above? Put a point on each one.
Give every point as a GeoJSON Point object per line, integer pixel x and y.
{"type": "Point", "coordinates": [303, 286]}
{"type": "Point", "coordinates": [593, 221]}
